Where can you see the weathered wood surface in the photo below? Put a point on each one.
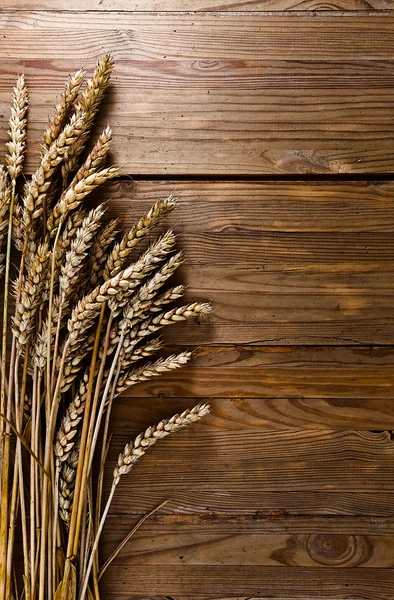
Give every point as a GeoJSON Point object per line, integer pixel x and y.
{"type": "Point", "coordinates": [202, 583]}
{"type": "Point", "coordinates": [286, 491]}
{"type": "Point", "coordinates": [243, 6]}
{"type": "Point", "coordinates": [279, 372]}
{"type": "Point", "coordinates": [258, 414]}
{"type": "Point", "coordinates": [223, 93]}
{"type": "Point", "coordinates": [283, 263]}
{"type": "Point", "coordinates": [233, 465]}
{"type": "Point", "coordinates": [309, 542]}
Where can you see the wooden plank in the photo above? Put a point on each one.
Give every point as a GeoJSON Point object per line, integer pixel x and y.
{"type": "Point", "coordinates": [234, 524]}
{"type": "Point", "coordinates": [279, 372]}
{"type": "Point", "coordinates": [256, 466]}
{"type": "Point", "coordinates": [200, 5]}
{"type": "Point", "coordinates": [209, 93]}
{"type": "Point", "coordinates": [268, 413]}
{"type": "Point", "coordinates": [264, 582]}
{"type": "Point", "coordinates": [210, 503]}
{"type": "Point", "coordinates": [283, 263]}
{"type": "Point", "coordinates": [300, 543]}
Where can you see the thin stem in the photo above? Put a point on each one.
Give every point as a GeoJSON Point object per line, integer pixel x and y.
{"type": "Point", "coordinates": [104, 446]}
{"type": "Point", "coordinates": [95, 543]}
{"type": "Point", "coordinates": [33, 481]}
{"type": "Point", "coordinates": [73, 535]}
{"type": "Point", "coordinates": [48, 455]}
{"type": "Point", "coordinates": [85, 540]}
{"type": "Point", "coordinates": [51, 405]}
{"type": "Point", "coordinates": [19, 408]}
{"type": "Point", "coordinates": [3, 426]}
{"type": "Point", "coordinates": [127, 538]}
{"type": "Point", "coordinates": [104, 454]}
{"type": "Point", "coordinates": [104, 397]}
{"type": "Point", "coordinates": [50, 306]}
{"type": "Point", "coordinates": [57, 336]}
{"type": "Point", "coordinates": [55, 524]}
{"type": "Point", "coordinates": [84, 458]}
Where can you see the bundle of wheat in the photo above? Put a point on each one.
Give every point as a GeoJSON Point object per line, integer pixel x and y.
{"type": "Point", "coordinates": [87, 310]}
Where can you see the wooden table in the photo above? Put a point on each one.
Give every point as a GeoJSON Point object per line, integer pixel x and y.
{"type": "Point", "coordinates": [276, 131]}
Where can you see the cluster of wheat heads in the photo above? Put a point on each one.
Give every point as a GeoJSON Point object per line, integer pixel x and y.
{"type": "Point", "coordinates": [83, 311]}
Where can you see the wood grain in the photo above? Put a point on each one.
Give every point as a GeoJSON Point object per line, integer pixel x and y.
{"type": "Point", "coordinates": [267, 413]}
{"type": "Point", "coordinates": [283, 263]}
{"type": "Point", "coordinates": [221, 93]}
{"type": "Point", "coordinates": [286, 490]}
{"type": "Point", "coordinates": [279, 372]}
{"type": "Point", "coordinates": [200, 5]}
{"type": "Point", "coordinates": [292, 543]}
{"type": "Point", "coordinates": [265, 582]}
{"type": "Point", "coordinates": [269, 503]}
{"type": "Point", "coordinates": [245, 464]}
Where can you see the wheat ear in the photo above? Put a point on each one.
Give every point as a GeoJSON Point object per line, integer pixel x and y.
{"type": "Point", "coordinates": [71, 268]}
{"type": "Point", "coordinates": [134, 450]}
{"type": "Point", "coordinates": [88, 104]}
{"type": "Point", "coordinates": [100, 250]}
{"type": "Point", "coordinates": [138, 271]}
{"type": "Point", "coordinates": [40, 182]}
{"type": "Point", "coordinates": [123, 249]}
{"type": "Point", "coordinates": [67, 476]}
{"type": "Point", "coordinates": [96, 156]}
{"type": "Point", "coordinates": [147, 292]}
{"type": "Point", "coordinates": [31, 289]}
{"type": "Point", "coordinates": [17, 132]}
{"type": "Point", "coordinates": [65, 437]}
{"type": "Point", "coordinates": [75, 193]}
{"type": "Point", "coordinates": [62, 110]}
{"type": "Point", "coordinates": [70, 228]}
{"type": "Point", "coordinates": [5, 199]}
{"type": "Point", "coordinates": [17, 228]}
{"type": "Point", "coordinates": [150, 370]}
{"type": "Point", "coordinates": [153, 324]}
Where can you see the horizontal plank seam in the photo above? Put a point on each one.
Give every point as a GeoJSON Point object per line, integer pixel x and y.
{"type": "Point", "coordinates": [269, 516]}
{"type": "Point", "coordinates": [252, 346]}
{"type": "Point", "coordinates": [271, 343]}
{"type": "Point", "coordinates": [241, 178]}
{"type": "Point", "coordinates": [212, 13]}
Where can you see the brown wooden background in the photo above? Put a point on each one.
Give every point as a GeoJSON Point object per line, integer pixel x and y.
{"type": "Point", "coordinates": [273, 121]}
